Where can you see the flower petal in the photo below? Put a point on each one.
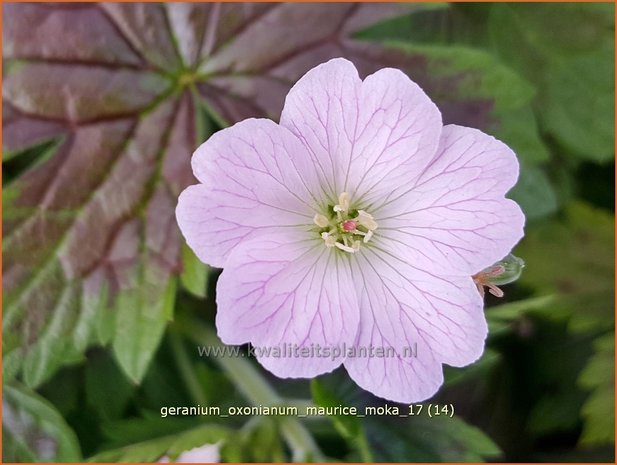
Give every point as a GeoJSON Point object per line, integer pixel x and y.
{"type": "Point", "coordinates": [256, 175]}
{"type": "Point", "coordinates": [286, 290]}
{"type": "Point", "coordinates": [208, 453]}
{"type": "Point", "coordinates": [322, 110]}
{"type": "Point", "coordinates": [398, 134]}
{"type": "Point", "coordinates": [454, 218]}
{"type": "Point", "coordinates": [403, 307]}
{"type": "Point", "coordinates": [367, 138]}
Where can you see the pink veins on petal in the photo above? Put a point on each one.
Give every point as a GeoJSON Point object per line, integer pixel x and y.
{"type": "Point", "coordinates": [359, 221]}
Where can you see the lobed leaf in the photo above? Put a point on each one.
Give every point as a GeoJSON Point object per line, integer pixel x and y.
{"type": "Point", "coordinates": [572, 257]}
{"type": "Point", "coordinates": [91, 245]}
{"type": "Point", "coordinates": [33, 431]}
{"type": "Point", "coordinates": [91, 250]}
{"type": "Point", "coordinates": [172, 445]}
{"type": "Point", "coordinates": [568, 52]}
{"type": "Point", "coordinates": [599, 377]}
{"type": "Point", "coordinates": [417, 438]}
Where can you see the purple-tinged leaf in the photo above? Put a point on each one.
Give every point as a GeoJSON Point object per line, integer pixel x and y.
{"type": "Point", "coordinates": [33, 430]}
{"type": "Point", "coordinates": [92, 251]}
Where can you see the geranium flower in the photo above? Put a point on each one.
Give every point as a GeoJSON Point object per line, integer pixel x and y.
{"type": "Point", "coordinates": [358, 221]}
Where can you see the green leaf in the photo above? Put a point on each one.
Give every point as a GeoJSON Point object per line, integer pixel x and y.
{"type": "Point", "coordinates": [417, 438]}
{"type": "Point", "coordinates": [579, 101]}
{"type": "Point", "coordinates": [476, 77]}
{"type": "Point", "coordinates": [171, 445]}
{"type": "Point", "coordinates": [208, 434]}
{"type": "Point", "coordinates": [122, 99]}
{"type": "Point", "coordinates": [599, 377]}
{"type": "Point", "coordinates": [33, 431]}
{"type": "Point", "coordinates": [572, 258]}
{"type": "Point", "coordinates": [258, 442]}
{"type": "Point", "coordinates": [349, 426]}
{"type": "Point", "coordinates": [534, 193]}
{"type": "Point", "coordinates": [150, 425]}
{"type": "Point", "coordinates": [568, 52]}
{"type": "Point", "coordinates": [558, 30]}
{"type": "Point", "coordinates": [57, 344]}
{"type": "Point", "coordinates": [424, 439]}
{"type": "Point", "coordinates": [511, 311]}
{"type": "Point", "coordinates": [558, 400]}
{"type": "Point", "coordinates": [108, 403]}
{"type": "Point", "coordinates": [435, 23]}
{"type": "Point", "coordinates": [194, 275]}
{"type": "Point", "coordinates": [489, 360]}
{"type": "Point", "coordinates": [569, 266]}
{"type": "Point", "coordinates": [141, 317]}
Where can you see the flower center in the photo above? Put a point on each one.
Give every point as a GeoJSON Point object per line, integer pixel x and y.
{"type": "Point", "coordinates": [344, 227]}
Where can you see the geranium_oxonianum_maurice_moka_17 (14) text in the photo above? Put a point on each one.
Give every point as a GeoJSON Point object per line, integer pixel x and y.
{"type": "Point", "coordinates": [358, 220]}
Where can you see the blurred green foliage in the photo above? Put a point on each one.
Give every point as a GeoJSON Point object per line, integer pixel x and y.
{"type": "Point", "coordinates": [544, 389]}
{"type": "Point", "coordinates": [33, 430]}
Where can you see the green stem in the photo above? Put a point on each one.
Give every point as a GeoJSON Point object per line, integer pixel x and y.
{"type": "Point", "coordinates": [257, 390]}
{"type": "Point", "coordinates": [186, 370]}
{"type": "Point", "coordinates": [363, 448]}
{"type": "Point", "coordinates": [513, 310]}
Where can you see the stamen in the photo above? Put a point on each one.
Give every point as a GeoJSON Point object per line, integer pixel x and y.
{"type": "Point", "coordinates": [344, 247]}
{"type": "Point", "coordinates": [320, 220]}
{"type": "Point", "coordinates": [343, 201]}
{"type": "Point", "coordinates": [485, 277]}
{"type": "Point", "coordinates": [493, 271]}
{"type": "Point", "coordinates": [366, 220]}
{"type": "Point", "coordinates": [328, 239]}
{"type": "Point", "coordinates": [345, 232]}
{"type": "Point", "coordinates": [495, 290]}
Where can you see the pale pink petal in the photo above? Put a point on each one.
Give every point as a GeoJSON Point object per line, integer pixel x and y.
{"type": "Point", "coordinates": [447, 311]}
{"type": "Point", "coordinates": [255, 175]}
{"type": "Point", "coordinates": [322, 110]}
{"type": "Point", "coordinates": [367, 138]}
{"type": "Point", "coordinates": [287, 290]}
{"type": "Point", "coordinates": [402, 378]}
{"type": "Point", "coordinates": [404, 307]}
{"type": "Point", "coordinates": [454, 218]}
{"type": "Point", "coordinates": [398, 134]}
{"type": "Point", "coordinates": [208, 453]}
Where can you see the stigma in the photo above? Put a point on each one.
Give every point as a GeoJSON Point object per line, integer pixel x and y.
{"type": "Point", "coordinates": [345, 227]}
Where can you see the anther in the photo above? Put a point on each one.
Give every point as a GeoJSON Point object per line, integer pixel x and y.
{"type": "Point", "coordinates": [343, 203]}
{"type": "Point", "coordinates": [366, 220]}
{"type": "Point", "coordinates": [328, 239]}
{"type": "Point", "coordinates": [320, 220]}
{"type": "Point", "coordinates": [345, 248]}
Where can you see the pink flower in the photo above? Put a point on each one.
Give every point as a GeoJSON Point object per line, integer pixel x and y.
{"type": "Point", "coordinates": [358, 221]}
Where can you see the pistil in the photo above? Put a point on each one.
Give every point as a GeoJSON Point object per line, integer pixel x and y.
{"type": "Point", "coordinates": [344, 227]}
